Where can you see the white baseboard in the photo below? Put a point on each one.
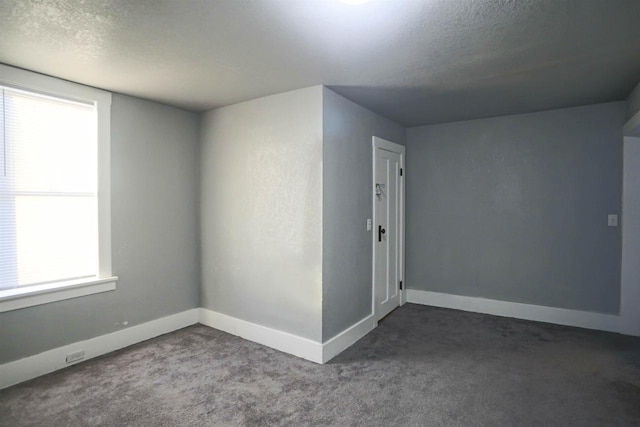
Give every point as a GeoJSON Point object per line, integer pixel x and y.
{"type": "Point", "coordinates": [560, 316]}
{"type": "Point", "coordinates": [30, 367]}
{"type": "Point", "coordinates": [347, 338]}
{"type": "Point", "coordinates": [286, 342]}
{"type": "Point", "coordinates": [279, 340]}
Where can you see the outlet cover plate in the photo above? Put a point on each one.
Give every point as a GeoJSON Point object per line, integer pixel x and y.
{"type": "Point", "coordinates": [75, 356]}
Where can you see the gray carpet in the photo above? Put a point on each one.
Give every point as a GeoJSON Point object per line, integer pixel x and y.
{"type": "Point", "coordinates": [422, 366]}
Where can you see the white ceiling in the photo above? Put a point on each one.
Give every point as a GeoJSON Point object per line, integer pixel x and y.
{"type": "Point", "coordinates": [417, 62]}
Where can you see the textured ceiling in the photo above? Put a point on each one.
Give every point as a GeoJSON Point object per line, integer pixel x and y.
{"type": "Point", "coordinates": [417, 62]}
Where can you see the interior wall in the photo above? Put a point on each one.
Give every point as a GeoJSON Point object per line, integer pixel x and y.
{"type": "Point", "coordinates": [515, 208]}
{"type": "Point", "coordinates": [261, 211]}
{"type": "Point", "coordinates": [154, 233]}
{"type": "Point", "coordinates": [348, 129]}
{"type": "Point", "coordinates": [631, 237]}
{"type": "Point", "coordinates": [633, 102]}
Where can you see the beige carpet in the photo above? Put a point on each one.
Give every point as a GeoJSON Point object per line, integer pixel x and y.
{"type": "Point", "coordinates": [422, 366]}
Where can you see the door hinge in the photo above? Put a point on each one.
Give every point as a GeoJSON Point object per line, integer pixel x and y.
{"type": "Point", "coordinates": [400, 284]}
{"type": "Point", "coordinates": [400, 171]}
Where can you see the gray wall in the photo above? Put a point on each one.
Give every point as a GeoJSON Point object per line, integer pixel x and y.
{"type": "Point", "coordinates": [515, 208]}
{"type": "Point", "coordinates": [154, 235]}
{"type": "Point", "coordinates": [630, 280]}
{"type": "Point", "coordinates": [346, 175]}
{"type": "Point", "coordinates": [261, 211]}
{"type": "Point", "coordinates": [633, 102]}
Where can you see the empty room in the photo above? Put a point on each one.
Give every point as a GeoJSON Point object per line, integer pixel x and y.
{"type": "Point", "coordinates": [319, 213]}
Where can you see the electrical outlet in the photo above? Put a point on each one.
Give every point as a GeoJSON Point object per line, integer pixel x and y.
{"type": "Point", "coordinates": [612, 220]}
{"type": "Point", "coordinates": [75, 356]}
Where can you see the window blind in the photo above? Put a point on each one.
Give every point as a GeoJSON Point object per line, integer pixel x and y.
{"type": "Point", "coordinates": [48, 189]}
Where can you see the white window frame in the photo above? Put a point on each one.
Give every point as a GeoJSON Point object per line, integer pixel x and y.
{"type": "Point", "coordinates": [16, 298]}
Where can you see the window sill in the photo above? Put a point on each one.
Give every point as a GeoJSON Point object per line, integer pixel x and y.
{"type": "Point", "coordinates": [14, 299]}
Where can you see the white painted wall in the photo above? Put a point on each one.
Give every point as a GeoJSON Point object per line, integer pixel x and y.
{"type": "Point", "coordinates": [261, 212]}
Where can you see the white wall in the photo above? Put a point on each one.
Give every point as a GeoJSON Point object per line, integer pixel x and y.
{"type": "Point", "coordinates": [261, 212]}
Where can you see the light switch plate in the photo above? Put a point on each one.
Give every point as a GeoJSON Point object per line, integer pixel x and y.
{"type": "Point", "coordinates": [612, 220]}
{"type": "Point", "coordinates": [368, 224]}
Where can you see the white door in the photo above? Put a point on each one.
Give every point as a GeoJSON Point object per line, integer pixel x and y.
{"type": "Point", "coordinates": [388, 226]}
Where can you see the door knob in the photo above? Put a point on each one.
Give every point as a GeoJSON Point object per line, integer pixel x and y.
{"type": "Point", "coordinates": [381, 231]}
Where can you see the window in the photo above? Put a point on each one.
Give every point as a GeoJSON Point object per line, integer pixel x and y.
{"type": "Point", "coordinates": [54, 190]}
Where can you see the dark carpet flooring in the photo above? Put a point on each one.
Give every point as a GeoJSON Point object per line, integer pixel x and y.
{"type": "Point", "coordinates": [422, 366]}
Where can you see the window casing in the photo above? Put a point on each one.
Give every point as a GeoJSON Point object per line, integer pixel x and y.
{"type": "Point", "coordinates": [55, 237]}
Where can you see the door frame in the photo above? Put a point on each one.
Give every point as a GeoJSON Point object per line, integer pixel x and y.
{"type": "Point", "coordinates": [376, 144]}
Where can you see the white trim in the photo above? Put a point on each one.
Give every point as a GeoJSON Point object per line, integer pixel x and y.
{"type": "Point", "coordinates": [347, 338]}
{"type": "Point", "coordinates": [380, 143]}
{"type": "Point", "coordinates": [388, 145]}
{"type": "Point", "coordinates": [13, 299]}
{"type": "Point", "coordinates": [47, 85]}
{"type": "Point", "coordinates": [15, 372]}
{"type": "Point", "coordinates": [286, 342]}
{"type": "Point", "coordinates": [104, 185]}
{"type": "Point", "coordinates": [279, 340]}
{"type": "Point", "coordinates": [560, 316]}
{"type": "Point", "coordinates": [32, 81]}
{"type": "Point", "coordinates": [30, 367]}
